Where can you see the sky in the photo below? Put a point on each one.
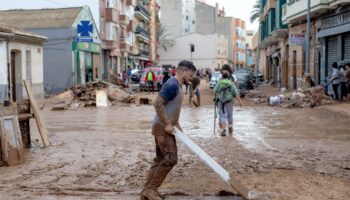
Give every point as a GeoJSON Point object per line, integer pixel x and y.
{"type": "Point", "coordinates": [234, 8]}
{"type": "Point", "coordinates": [237, 8]}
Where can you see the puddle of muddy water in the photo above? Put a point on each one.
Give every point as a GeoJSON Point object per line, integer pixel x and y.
{"type": "Point", "coordinates": [249, 129]}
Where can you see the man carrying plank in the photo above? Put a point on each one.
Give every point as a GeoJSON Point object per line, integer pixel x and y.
{"type": "Point", "coordinates": [168, 107]}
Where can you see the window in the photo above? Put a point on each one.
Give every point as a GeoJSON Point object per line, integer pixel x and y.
{"type": "Point", "coordinates": [186, 17]}
{"type": "Point", "coordinates": [102, 25]}
{"type": "Point", "coordinates": [29, 66]}
{"type": "Point", "coordinates": [193, 22]}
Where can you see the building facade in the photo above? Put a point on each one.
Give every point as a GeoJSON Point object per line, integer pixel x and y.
{"type": "Point", "coordinates": [72, 52]}
{"type": "Point", "coordinates": [239, 43]}
{"type": "Point", "coordinates": [129, 34]}
{"type": "Point", "coordinates": [329, 38]}
{"type": "Point", "coordinates": [21, 58]}
{"type": "Point", "coordinates": [210, 51]}
{"type": "Point", "coordinates": [273, 54]}
{"type": "Point", "coordinates": [117, 26]}
{"type": "Point", "coordinates": [187, 18]}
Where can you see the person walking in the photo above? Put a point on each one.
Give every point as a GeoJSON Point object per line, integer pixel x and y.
{"type": "Point", "coordinates": [168, 106]}
{"type": "Point", "coordinates": [166, 76]}
{"type": "Point", "coordinates": [347, 80]}
{"type": "Point", "coordinates": [343, 88]}
{"type": "Point", "coordinates": [225, 92]}
{"type": "Point", "coordinates": [335, 80]}
{"type": "Point", "coordinates": [129, 74]}
{"type": "Point", "coordinates": [150, 78]}
{"type": "Point", "coordinates": [194, 89]}
{"type": "Point", "coordinates": [227, 68]}
{"type": "Point", "coordinates": [125, 77]}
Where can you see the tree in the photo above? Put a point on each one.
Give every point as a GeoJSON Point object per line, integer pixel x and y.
{"type": "Point", "coordinates": [255, 13]}
{"type": "Point", "coordinates": [163, 38]}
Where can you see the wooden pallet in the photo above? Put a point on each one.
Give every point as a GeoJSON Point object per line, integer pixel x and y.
{"type": "Point", "coordinates": [10, 136]}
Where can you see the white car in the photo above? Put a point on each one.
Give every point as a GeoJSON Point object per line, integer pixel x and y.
{"type": "Point", "coordinates": [214, 79]}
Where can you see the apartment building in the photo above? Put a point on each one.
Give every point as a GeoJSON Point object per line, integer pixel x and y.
{"type": "Point", "coordinates": [129, 33]}
{"type": "Point", "coordinates": [273, 42]}
{"type": "Point", "coordinates": [239, 43]}
{"type": "Point", "coordinates": [196, 23]}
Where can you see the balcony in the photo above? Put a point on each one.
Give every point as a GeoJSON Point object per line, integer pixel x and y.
{"type": "Point", "coordinates": [144, 53]}
{"type": "Point", "coordinates": [141, 11]}
{"type": "Point", "coordinates": [124, 19]}
{"type": "Point", "coordinates": [112, 15]}
{"type": "Point", "coordinates": [270, 4]}
{"type": "Point", "coordinates": [142, 33]}
{"type": "Point", "coordinates": [110, 44]}
{"type": "Point", "coordinates": [124, 46]}
{"type": "Point", "coordinates": [131, 26]}
{"type": "Point", "coordinates": [296, 11]}
{"type": "Point", "coordinates": [131, 2]}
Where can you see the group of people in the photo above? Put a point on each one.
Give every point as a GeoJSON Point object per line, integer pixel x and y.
{"type": "Point", "coordinates": [341, 78]}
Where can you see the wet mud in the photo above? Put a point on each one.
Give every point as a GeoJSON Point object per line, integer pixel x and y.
{"type": "Point", "coordinates": [105, 154]}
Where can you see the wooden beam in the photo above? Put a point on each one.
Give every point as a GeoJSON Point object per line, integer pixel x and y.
{"type": "Point", "coordinates": [42, 129]}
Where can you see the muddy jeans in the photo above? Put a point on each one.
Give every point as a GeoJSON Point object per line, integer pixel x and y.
{"type": "Point", "coordinates": [166, 159]}
{"type": "Point", "coordinates": [226, 113]}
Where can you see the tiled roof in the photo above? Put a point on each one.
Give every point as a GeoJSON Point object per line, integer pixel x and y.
{"type": "Point", "coordinates": [39, 18]}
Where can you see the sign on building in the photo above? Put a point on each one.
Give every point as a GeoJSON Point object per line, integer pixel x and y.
{"type": "Point", "coordinates": [296, 39]}
{"type": "Point", "coordinates": [85, 31]}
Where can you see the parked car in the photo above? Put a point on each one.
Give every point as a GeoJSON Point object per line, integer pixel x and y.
{"type": "Point", "coordinates": [136, 76]}
{"type": "Point", "coordinates": [158, 72]}
{"type": "Point", "coordinates": [260, 77]}
{"type": "Point", "coordinates": [246, 71]}
{"type": "Point", "coordinates": [214, 79]}
{"type": "Point", "coordinates": [244, 83]}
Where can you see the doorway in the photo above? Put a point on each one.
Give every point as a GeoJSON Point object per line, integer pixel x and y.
{"type": "Point", "coordinates": [16, 75]}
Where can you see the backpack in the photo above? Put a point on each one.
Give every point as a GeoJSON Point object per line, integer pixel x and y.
{"type": "Point", "coordinates": [225, 91]}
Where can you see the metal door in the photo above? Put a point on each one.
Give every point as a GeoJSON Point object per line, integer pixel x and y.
{"type": "Point", "coordinates": [332, 56]}
{"type": "Point", "coordinates": [346, 46]}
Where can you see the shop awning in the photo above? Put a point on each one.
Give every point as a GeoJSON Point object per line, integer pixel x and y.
{"type": "Point", "coordinates": [334, 31]}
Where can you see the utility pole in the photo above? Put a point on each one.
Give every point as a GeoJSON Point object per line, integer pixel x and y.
{"type": "Point", "coordinates": [307, 39]}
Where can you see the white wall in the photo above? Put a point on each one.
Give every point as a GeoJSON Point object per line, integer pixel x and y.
{"type": "Point", "coordinates": [36, 65]}
{"type": "Point", "coordinates": [188, 10]}
{"type": "Point", "coordinates": [203, 57]}
{"type": "Point", "coordinates": [3, 72]}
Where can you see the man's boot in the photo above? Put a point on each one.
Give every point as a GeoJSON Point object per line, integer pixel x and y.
{"type": "Point", "coordinates": [223, 132]}
{"type": "Point", "coordinates": [150, 194]}
{"type": "Point", "coordinates": [230, 129]}
{"type": "Point", "coordinates": [198, 101]}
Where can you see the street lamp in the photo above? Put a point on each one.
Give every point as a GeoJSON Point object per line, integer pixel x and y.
{"type": "Point", "coordinates": [307, 39]}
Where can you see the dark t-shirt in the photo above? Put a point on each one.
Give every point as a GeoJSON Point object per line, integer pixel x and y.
{"type": "Point", "coordinates": [170, 89]}
{"type": "Point", "coordinates": [195, 82]}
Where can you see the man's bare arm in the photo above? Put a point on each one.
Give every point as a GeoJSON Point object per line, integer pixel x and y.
{"type": "Point", "coordinates": [159, 106]}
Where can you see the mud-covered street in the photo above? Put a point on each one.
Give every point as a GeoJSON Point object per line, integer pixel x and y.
{"type": "Point", "coordinates": [282, 153]}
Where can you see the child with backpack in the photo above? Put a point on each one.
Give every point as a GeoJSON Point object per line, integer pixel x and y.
{"type": "Point", "coordinates": [225, 92]}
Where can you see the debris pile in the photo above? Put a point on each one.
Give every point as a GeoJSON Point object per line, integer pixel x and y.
{"type": "Point", "coordinates": [307, 98]}
{"type": "Point", "coordinates": [84, 95]}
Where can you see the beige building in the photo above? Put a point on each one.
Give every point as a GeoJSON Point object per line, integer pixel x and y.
{"type": "Point", "coordinates": [239, 43]}
{"type": "Point", "coordinates": [329, 38]}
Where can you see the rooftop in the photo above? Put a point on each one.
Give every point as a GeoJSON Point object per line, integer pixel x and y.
{"type": "Point", "coordinates": [39, 18]}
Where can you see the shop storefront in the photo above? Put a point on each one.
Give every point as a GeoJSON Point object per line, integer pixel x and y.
{"type": "Point", "coordinates": [87, 61]}
{"type": "Point", "coordinates": [334, 35]}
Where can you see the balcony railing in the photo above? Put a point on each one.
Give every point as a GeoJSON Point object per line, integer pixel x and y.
{"type": "Point", "coordinates": [142, 31]}
{"type": "Point", "coordinates": [142, 10]}
{"type": "Point", "coordinates": [144, 53]}
{"type": "Point", "coordinates": [112, 15]}
{"type": "Point", "coordinates": [297, 10]}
